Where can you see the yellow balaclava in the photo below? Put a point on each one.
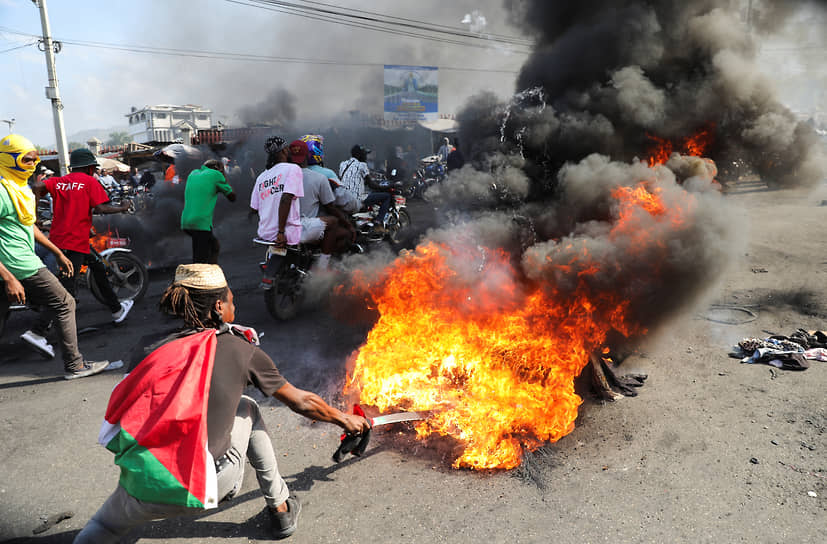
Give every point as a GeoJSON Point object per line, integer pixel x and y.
{"type": "Point", "coordinates": [14, 175]}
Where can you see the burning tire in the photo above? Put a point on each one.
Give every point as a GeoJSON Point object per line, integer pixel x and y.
{"type": "Point", "coordinates": [127, 275]}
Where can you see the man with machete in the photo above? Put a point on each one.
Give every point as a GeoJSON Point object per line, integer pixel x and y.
{"type": "Point", "coordinates": [180, 425]}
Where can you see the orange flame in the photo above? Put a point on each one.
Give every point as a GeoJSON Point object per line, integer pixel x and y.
{"type": "Point", "coordinates": [492, 358]}
{"type": "Point", "coordinates": [106, 240]}
{"type": "Point", "coordinates": [696, 145]}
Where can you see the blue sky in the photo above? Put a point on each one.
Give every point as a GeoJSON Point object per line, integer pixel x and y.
{"type": "Point", "coordinates": [99, 85]}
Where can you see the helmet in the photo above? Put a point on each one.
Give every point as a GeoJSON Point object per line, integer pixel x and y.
{"type": "Point", "coordinates": [359, 152]}
{"type": "Point", "coordinates": [315, 147]}
{"type": "Point", "coordinates": [82, 157]}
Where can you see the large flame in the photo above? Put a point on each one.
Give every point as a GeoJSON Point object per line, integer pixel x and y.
{"type": "Point", "coordinates": [696, 145]}
{"type": "Point", "coordinates": [492, 356]}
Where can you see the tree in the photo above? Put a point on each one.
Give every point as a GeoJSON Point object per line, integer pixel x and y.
{"type": "Point", "coordinates": [118, 138]}
{"type": "Point", "coordinates": [75, 145]}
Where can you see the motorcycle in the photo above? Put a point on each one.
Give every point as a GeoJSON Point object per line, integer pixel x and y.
{"type": "Point", "coordinates": [398, 217]}
{"type": "Point", "coordinates": [284, 272]}
{"type": "Point", "coordinates": [126, 273]}
{"type": "Point", "coordinates": [138, 198]}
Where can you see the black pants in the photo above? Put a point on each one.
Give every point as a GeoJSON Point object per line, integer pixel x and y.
{"type": "Point", "coordinates": [97, 269]}
{"type": "Point", "coordinates": [205, 246]}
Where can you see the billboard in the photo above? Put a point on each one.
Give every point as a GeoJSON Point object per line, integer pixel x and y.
{"type": "Point", "coordinates": [411, 93]}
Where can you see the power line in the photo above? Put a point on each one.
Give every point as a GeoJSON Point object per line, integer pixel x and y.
{"type": "Point", "coordinates": [375, 17]}
{"type": "Point", "coordinates": [18, 47]}
{"type": "Point", "coordinates": [225, 55]}
{"type": "Point", "coordinates": [366, 24]}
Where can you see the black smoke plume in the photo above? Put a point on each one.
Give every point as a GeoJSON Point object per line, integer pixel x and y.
{"type": "Point", "coordinates": [603, 82]}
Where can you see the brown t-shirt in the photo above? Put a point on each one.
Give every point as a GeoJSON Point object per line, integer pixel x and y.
{"type": "Point", "coordinates": [237, 365]}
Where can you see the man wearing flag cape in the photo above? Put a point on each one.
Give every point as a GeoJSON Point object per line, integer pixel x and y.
{"type": "Point", "coordinates": [180, 426]}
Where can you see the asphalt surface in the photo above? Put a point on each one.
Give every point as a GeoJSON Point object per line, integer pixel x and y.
{"type": "Point", "coordinates": [672, 465]}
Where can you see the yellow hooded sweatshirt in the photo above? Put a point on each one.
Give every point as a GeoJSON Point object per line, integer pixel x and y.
{"type": "Point", "coordinates": [14, 175]}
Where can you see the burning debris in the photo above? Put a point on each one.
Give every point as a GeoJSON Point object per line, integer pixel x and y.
{"type": "Point", "coordinates": [591, 217]}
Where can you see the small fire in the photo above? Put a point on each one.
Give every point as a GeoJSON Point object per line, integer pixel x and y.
{"type": "Point", "coordinates": [493, 357]}
{"type": "Point", "coordinates": [696, 145]}
{"type": "Point", "coordinates": [106, 240]}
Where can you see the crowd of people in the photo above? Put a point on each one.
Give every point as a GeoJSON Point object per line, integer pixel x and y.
{"type": "Point", "coordinates": [202, 367]}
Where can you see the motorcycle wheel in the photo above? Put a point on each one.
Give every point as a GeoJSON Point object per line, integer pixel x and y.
{"type": "Point", "coordinates": [127, 275]}
{"type": "Point", "coordinates": [282, 305]}
{"type": "Point", "coordinates": [394, 229]}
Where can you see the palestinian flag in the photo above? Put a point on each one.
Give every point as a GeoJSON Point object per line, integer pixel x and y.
{"type": "Point", "coordinates": [156, 425]}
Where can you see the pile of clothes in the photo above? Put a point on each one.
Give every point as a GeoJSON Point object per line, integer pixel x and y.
{"type": "Point", "coordinates": [791, 352]}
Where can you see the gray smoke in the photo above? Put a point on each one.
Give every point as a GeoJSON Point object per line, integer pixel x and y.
{"type": "Point", "coordinates": [549, 168]}
{"type": "Point", "coordinates": [277, 109]}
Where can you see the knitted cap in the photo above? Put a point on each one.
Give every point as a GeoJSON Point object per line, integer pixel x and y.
{"type": "Point", "coordinates": [200, 276]}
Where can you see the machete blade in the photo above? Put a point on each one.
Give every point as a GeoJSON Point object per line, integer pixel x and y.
{"type": "Point", "coordinates": [398, 417]}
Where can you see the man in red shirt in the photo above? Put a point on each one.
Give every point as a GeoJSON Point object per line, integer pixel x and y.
{"type": "Point", "coordinates": [74, 198]}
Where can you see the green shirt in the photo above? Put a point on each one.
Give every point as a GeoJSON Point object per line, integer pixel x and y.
{"type": "Point", "coordinates": [200, 194]}
{"type": "Point", "coordinates": [16, 241]}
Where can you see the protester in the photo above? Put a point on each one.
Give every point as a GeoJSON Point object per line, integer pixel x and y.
{"type": "Point", "coordinates": [444, 150]}
{"type": "Point", "coordinates": [170, 175]}
{"type": "Point", "coordinates": [25, 278]}
{"type": "Point", "coordinates": [354, 174]}
{"type": "Point", "coordinates": [196, 377]}
{"type": "Point", "coordinates": [74, 198]}
{"type": "Point", "coordinates": [345, 200]}
{"type": "Point", "coordinates": [200, 195]}
{"type": "Point", "coordinates": [147, 179]}
{"type": "Point", "coordinates": [455, 159]}
{"type": "Point", "coordinates": [275, 196]}
{"type": "Point", "coordinates": [107, 179]}
{"type": "Point", "coordinates": [333, 230]}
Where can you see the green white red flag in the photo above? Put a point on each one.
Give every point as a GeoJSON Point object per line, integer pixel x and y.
{"type": "Point", "coordinates": [156, 425]}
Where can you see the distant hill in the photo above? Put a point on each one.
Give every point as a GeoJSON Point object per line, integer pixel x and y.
{"type": "Point", "coordinates": [101, 134]}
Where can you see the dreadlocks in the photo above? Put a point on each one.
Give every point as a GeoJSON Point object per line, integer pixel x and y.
{"type": "Point", "coordinates": [195, 306]}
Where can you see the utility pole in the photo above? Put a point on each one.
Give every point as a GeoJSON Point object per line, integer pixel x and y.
{"type": "Point", "coordinates": [52, 92]}
{"type": "Point", "coordinates": [9, 122]}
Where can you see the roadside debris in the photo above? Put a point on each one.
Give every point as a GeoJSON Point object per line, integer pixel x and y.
{"type": "Point", "coordinates": [791, 352]}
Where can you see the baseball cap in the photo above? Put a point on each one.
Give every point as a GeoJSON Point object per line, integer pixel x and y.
{"type": "Point", "coordinates": [298, 151]}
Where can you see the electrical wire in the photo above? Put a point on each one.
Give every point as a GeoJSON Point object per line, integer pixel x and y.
{"type": "Point", "coordinates": [367, 25]}
{"type": "Point", "coordinates": [224, 55]}
{"type": "Point", "coordinates": [18, 47]}
{"type": "Point", "coordinates": [375, 17]}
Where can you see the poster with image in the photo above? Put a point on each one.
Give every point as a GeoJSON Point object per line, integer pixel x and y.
{"type": "Point", "coordinates": [411, 93]}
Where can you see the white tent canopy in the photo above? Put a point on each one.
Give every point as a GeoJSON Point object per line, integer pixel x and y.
{"type": "Point", "coordinates": [440, 125]}
{"type": "Point", "coordinates": [112, 164]}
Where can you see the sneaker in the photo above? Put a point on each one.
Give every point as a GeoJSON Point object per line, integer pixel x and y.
{"type": "Point", "coordinates": [89, 368]}
{"type": "Point", "coordinates": [120, 315]}
{"type": "Point", "coordinates": [283, 524]}
{"type": "Point", "coordinates": [39, 343]}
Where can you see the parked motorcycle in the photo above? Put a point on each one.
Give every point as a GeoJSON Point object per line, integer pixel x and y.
{"type": "Point", "coordinates": [284, 272]}
{"type": "Point", "coordinates": [138, 198]}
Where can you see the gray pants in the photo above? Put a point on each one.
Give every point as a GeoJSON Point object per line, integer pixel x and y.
{"type": "Point", "coordinates": [121, 512]}
{"type": "Point", "coordinates": [43, 289]}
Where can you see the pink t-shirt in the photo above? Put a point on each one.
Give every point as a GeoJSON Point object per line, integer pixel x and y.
{"type": "Point", "coordinates": [282, 178]}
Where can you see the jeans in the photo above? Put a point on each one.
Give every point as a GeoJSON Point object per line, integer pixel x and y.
{"type": "Point", "coordinates": [43, 289]}
{"type": "Point", "coordinates": [122, 512]}
{"type": "Point", "coordinates": [205, 246]}
{"type": "Point", "coordinates": [384, 201]}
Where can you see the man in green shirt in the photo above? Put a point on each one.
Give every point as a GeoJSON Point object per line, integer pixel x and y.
{"type": "Point", "coordinates": [23, 277]}
{"type": "Point", "coordinates": [200, 195]}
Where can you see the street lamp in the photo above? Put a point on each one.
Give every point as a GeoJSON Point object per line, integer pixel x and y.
{"type": "Point", "coordinates": [9, 122]}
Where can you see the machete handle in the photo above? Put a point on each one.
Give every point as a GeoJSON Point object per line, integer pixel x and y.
{"type": "Point", "coordinates": [352, 443]}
